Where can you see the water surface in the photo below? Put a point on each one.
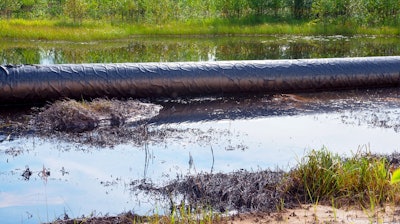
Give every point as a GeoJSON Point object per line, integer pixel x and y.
{"type": "Point", "coordinates": [217, 134]}
{"type": "Point", "coordinates": [187, 48]}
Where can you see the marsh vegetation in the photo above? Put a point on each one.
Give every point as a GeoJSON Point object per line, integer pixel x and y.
{"type": "Point", "coordinates": [79, 20]}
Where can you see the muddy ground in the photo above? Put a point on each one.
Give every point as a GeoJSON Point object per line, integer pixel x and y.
{"type": "Point", "coordinates": [305, 213]}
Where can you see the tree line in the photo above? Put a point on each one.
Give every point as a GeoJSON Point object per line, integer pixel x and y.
{"type": "Point", "coordinates": [362, 12]}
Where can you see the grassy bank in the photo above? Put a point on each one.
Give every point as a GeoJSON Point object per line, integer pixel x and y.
{"type": "Point", "coordinates": [91, 30]}
{"type": "Point", "coordinates": [56, 30]}
{"type": "Point", "coordinates": [361, 180]}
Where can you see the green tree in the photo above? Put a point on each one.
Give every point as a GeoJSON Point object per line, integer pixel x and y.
{"type": "Point", "coordinates": [323, 9]}
{"type": "Point", "coordinates": [54, 8]}
{"type": "Point", "coordinates": [331, 10]}
{"type": "Point", "coordinates": [158, 11]}
{"type": "Point", "coordinates": [258, 6]}
{"type": "Point", "coordinates": [383, 11]}
{"type": "Point", "coordinates": [8, 7]}
{"type": "Point", "coordinates": [301, 8]}
{"type": "Point", "coordinates": [26, 8]}
{"type": "Point", "coordinates": [132, 10]}
{"type": "Point", "coordinates": [32, 9]}
{"type": "Point", "coordinates": [232, 8]}
{"type": "Point", "coordinates": [184, 9]}
{"type": "Point", "coordinates": [75, 10]}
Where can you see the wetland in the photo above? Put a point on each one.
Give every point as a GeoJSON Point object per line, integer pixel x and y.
{"type": "Point", "coordinates": [110, 161]}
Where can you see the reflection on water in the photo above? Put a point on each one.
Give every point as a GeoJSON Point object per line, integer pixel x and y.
{"type": "Point", "coordinates": [200, 135]}
{"type": "Point", "coordinates": [152, 49]}
{"type": "Point", "coordinates": [43, 178]}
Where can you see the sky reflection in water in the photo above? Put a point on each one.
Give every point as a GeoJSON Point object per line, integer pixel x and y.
{"type": "Point", "coordinates": [87, 180]}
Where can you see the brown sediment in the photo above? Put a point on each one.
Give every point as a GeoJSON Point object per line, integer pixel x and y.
{"type": "Point", "coordinates": [240, 190]}
{"type": "Point", "coordinates": [100, 122]}
{"type": "Point", "coordinates": [123, 218]}
{"type": "Point", "coordinates": [73, 116]}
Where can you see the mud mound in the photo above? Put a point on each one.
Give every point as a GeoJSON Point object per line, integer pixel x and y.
{"type": "Point", "coordinates": [241, 190]}
{"type": "Point", "coordinates": [73, 116]}
{"type": "Point", "coordinates": [101, 122]}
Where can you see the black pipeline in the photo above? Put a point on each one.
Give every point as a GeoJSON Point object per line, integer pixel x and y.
{"type": "Point", "coordinates": [37, 83]}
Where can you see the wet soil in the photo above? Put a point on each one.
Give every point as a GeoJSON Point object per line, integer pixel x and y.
{"type": "Point", "coordinates": [305, 213]}
{"type": "Point", "coordinates": [100, 122]}
{"type": "Point", "coordinates": [241, 191]}
{"type": "Point", "coordinates": [78, 117]}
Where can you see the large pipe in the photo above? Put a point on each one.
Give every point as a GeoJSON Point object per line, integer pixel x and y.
{"type": "Point", "coordinates": [34, 83]}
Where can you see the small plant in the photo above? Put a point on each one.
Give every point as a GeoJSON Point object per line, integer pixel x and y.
{"type": "Point", "coordinates": [317, 175]}
{"type": "Point", "coordinates": [395, 176]}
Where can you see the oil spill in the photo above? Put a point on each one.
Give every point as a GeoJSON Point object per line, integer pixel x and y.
{"type": "Point", "coordinates": [91, 172]}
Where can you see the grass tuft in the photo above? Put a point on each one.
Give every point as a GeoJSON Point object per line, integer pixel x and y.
{"type": "Point", "coordinates": [363, 179]}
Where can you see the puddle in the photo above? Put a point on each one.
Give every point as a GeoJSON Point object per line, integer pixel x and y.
{"type": "Point", "coordinates": [45, 177]}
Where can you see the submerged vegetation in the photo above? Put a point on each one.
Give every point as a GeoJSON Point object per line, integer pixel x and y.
{"type": "Point", "coordinates": [80, 20]}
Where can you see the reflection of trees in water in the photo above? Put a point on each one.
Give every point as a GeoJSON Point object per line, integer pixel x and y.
{"type": "Point", "coordinates": [195, 49]}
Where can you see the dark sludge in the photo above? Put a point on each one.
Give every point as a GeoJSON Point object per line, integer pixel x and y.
{"type": "Point", "coordinates": [35, 83]}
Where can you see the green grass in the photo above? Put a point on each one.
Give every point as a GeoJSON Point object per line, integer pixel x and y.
{"type": "Point", "coordinates": [93, 30]}
{"type": "Point", "coordinates": [55, 30]}
{"type": "Point", "coordinates": [363, 179]}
